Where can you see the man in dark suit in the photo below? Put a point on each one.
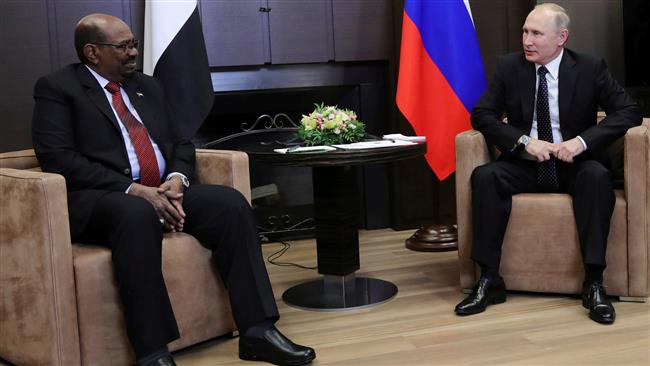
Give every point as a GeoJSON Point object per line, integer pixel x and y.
{"type": "Point", "coordinates": [105, 127]}
{"type": "Point", "coordinates": [550, 96]}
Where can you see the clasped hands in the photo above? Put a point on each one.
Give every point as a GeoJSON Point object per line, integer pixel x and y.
{"type": "Point", "coordinates": [565, 151]}
{"type": "Point", "coordinates": [167, 200]}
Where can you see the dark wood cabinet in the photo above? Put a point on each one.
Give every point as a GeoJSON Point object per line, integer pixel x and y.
{"type": "Point", "coordinates": [236, 32]}
{"type": "Point", "coordinates": [362, 29]}
{"type": "Point", "coordinates": [256, 32]}
{"type": "Point", "coordinates": [300, 31]}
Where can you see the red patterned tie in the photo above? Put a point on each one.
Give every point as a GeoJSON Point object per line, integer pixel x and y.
{"type": "Point", "coordinates": [149, 171]}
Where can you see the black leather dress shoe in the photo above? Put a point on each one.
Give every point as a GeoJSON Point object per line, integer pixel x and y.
{"type": "Point", "coordinates": [486, 292]}
{"type": "Point", "coordinates": [595, 299]}
{"type": "Point", "coordinates": [272, 346]}
{"type": "Point", "coordinates": [161, 361]}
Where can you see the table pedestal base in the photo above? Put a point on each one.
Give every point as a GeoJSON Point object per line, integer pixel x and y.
{"type": "Point", "coordinates": [332, 293]}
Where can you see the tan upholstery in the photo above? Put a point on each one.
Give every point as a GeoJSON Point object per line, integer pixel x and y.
{"type": "Point", "coordinates": [58, 302]}
{"type": "Point", "coordinates": [545, 257]}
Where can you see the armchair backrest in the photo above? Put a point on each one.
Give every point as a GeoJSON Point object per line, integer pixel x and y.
{"type": "Point", "coordinates": [22, 159]}
{"type": "Point", "coordinates": [231, 169]}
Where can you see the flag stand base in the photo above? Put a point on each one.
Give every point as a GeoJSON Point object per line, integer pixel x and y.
{"type": "Point", "coordinates": [434, 238]}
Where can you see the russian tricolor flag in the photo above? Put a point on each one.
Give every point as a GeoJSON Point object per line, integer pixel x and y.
{"type": "Point", "coordinates": [174, 53]}
{"type": "Point", "coordinates": [441, 75]}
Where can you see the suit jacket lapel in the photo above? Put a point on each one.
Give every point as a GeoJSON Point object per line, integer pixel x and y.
{"type": "Point", "coordinates": [527, 80]}
{"type": "Point", "coordinates": [96, 94]}
{"type": "Point", "coordinates": [566, 87]}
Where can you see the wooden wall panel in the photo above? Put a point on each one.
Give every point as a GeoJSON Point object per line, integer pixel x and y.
{"type": "Point", "coordinates": [301, 31]}
{"type": "Point", "coordinates": [597, 28]}
{"type": "Point", "coordinates": [362, 30]}
{"type": "Point", "coordinates": [136, 21]}
{"type": "Point", "coordinates": [498, 28]}
{"type": "Point", "coordinates": [66, 14]}
{"type": "Point", "coordinates": [24, 57]}
{"type": "Point", "coordinates": [246, 41]}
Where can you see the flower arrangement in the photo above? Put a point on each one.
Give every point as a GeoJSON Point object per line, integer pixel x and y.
{"type": "Point", "coordinates": [328, 125]}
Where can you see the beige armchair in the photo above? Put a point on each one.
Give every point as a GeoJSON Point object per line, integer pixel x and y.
{"type": "Point", "coordinates": [58, 302]}
{"type": "Point", "coordinates": [546, 258]}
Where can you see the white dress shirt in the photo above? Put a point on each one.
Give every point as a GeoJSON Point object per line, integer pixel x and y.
{"type": "Point", "coordinates": [553, 82]}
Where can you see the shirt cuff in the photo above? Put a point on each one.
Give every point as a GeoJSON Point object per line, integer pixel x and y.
{"type": "Point", "coordinates": [128, 188]}
{"type": "Point", "coordinates": [584, 144]}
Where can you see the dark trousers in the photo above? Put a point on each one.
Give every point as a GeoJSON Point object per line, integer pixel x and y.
{"type": "Point", "coordinates": [220, 218]}
{"type": "Point", "coordinates": [588, 182]}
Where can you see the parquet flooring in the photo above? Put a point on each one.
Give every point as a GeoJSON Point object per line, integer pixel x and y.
{"type": "Point", "coordinates": [418, 326]}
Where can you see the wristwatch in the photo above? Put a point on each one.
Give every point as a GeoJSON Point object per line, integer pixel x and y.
{"type": "Point", "coordinates": [524, 140]}
{"type": "Point", "coordinates": [184, 180]}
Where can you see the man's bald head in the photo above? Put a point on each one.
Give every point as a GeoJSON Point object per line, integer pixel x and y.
{"type": "Point", "coordinates": [92, 28]}
{"type": "Point", "coordinates": [106, 44]}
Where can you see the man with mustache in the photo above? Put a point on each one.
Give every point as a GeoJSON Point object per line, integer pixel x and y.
{"type": "Point", "coordinates": [105, 128]}
{"type": "Point", "coordinates": [550, 96]}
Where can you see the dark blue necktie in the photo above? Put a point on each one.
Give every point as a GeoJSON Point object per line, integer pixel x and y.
{"type": "Point", "coordinates": [546, 174]}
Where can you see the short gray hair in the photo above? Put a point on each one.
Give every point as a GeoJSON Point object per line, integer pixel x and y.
{"type": "Point", "coordinates": [562, 20]}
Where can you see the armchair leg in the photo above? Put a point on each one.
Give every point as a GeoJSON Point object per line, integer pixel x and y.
{"type": "Point", "coordinates": [633, 298]}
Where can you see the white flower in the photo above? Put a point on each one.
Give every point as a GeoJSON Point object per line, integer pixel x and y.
{"type": "Point", "coordinates": [337, 131]}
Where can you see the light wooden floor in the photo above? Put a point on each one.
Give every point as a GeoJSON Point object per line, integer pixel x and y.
{"type": "Point", "coordinates": [418, 327]}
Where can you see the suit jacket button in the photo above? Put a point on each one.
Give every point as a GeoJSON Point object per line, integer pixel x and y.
{"type": "Point", "coordinates": [127, 171]}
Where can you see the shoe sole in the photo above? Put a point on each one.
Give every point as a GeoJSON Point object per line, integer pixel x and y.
{"type": "Point", "coordinates": [247, 357]}
{"type": "Point", "coordinates": [499, 299]}
{"type": "Point", "coordinates": [601, 321]}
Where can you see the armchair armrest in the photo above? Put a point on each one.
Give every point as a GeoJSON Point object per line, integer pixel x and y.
{"type": "Point", "coordinates": [637, 192]}
{"type": "Point", "coordinates": [471, 152]}
{"type": "Point", "coordinates": [38, 313]}
{"type": "Point", "coordinates": [224, 167]}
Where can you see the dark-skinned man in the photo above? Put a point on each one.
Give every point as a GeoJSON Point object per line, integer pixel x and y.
{"type": "Point", "coordinates": [105, 128]}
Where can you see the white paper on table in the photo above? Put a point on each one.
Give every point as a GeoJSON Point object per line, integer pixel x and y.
{"type": "Point", "coordinates": [374, 144]}
{"type": "Point", "coordinates": [400, 137]}
{"type": "Point", "coordinates": [305, 149]}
